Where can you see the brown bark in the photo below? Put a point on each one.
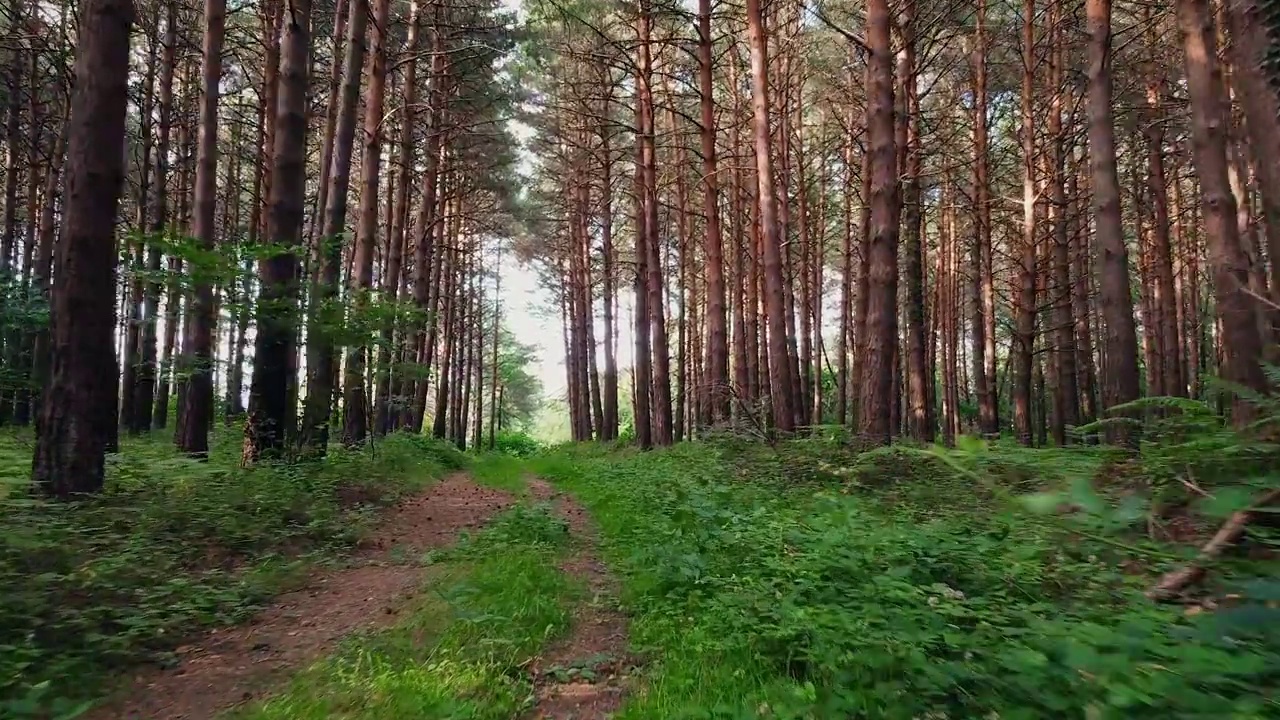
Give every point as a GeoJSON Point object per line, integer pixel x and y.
{"type": "Point", "coordinates": [1167, 372]}
{"type": "Point", "coordinates": [1236, 308]}
{"type": "Point", "coordinates": [71, 432]}
{"type": "Point", "coordinates": [661, 378]}
{"type": "Point", "coordinates": [355, 412]}
{"type": "Point", "coordinates": [1024, 306]}
{"type": "Point", "coordinates": [426, 267]}
{"type": "Point", "coordinates": [983, 329]}
{"type": "Point", "coordinates": [270, 412]}
{"type": "Point", "coordinates": [137, 254]}
{"type": "Point", "coordinates": [879, 349]}
{"type": "Point", "coordinates": [398, 240]}
{"type": "Point", "coordinates": [920, 425]}
{"type": "Point", "coordinates": [782, 396]}
{"type": "Point", "coordinates": [145, 387]}
{"type": "Point", "coordinates": [341, 14]}
{"type": "Point", "coordinates": [322, 350]}
{"type": "Point", "coordinates": [1066, 401]}
{"type": "Point", "coordinates": [716, 397]}
{"type": "Point", "coordinates": [198, 408]}
{"type": "Point", "coordinates": [610, 391]}
{"type": "Point", "coordinates": [1261, 104]}
{"type": "Point", "coordinates": [1120, 342]}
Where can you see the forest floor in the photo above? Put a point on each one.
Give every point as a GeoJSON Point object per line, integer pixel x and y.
{"type": "Point", "coordinates": [720, 580]}
{"type": "Point", "coordinates": [415, 605]}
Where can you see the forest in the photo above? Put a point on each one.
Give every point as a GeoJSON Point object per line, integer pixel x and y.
{"type": "Point", "coordinates": [916, 359]}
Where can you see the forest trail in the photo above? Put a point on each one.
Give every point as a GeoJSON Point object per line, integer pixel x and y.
{"type": "Point", "coordinates": [234, 665]}
{"type": "Point", "coordinates": [583, 676]}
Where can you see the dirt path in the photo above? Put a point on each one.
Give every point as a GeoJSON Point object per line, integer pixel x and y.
{"type": "Point", "coordinates": [234, 665]}
{"type": "Point", "coordinates": [583, 677]}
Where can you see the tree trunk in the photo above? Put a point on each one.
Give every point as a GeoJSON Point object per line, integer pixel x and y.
{"type": "Point", "coordinates": [983, 327]}
{"type": "Point", "coordinates": [1024, 336]}
{"type": "Point", "coordinates": [194, 437]}
{"type": "Point", "coordinates": [270, 412]}
{"type": "Point", "coordinates": [145, 387]}
{"type": "Point", "coordinates": [1252, 52]}
{"type": "Point", "coordinates": [325, 315]}
{"type": "Point", "coordinates": [71, 435]}
{"type": "Point", "coordinates": [919, 400]}
{"type": "Point", "coordinates": [782, 398]}
{"type": "Point", "coordinates": [715, 383]}
{"type": "Point", "coordinates": [355, 412]}
{"type": "Point", "coordinates": [1236, 310]}
{"type": "Point", "coordinates": [1120, 342]}
{"type": "Point", "coordinates": [877, 396]}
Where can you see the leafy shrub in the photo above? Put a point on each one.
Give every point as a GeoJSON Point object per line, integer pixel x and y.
{"type": "Point", "coordinates": [519, 444]}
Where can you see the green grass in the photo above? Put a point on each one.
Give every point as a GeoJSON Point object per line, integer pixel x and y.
{"type": "Point", "coordinates": [490, 605]}
{"type": "Point", "coordinates": [813, 583]}
{"type": "Point", "coordinates": [171, 546]}
{"type": "Point", "coordinates": [499, 470]}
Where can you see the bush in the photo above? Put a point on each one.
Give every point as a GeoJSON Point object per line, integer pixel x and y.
{"type": "Point", "coordinates": [519, 444]}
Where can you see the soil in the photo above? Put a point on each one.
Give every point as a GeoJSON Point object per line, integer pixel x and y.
{"type": "Point", "coordinates": [584, 676]}
{"type": "Point", "coordinates": [234, 665]}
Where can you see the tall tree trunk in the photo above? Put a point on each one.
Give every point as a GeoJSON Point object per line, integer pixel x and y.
{"type": "Point", "coordinates": [1120, 342]}
{"type": "Point", "coordinates": [355, 412]}
{"type": "Point", "coordinates": [660, 349]}
{"type": "Point", "coordinates": [849, 263]}
{"type": "Point", "coordinates": [145, 388]}
{"type": "Point", "coordinates": [270, 412]}
{"type": "Point", "coordinates": [1236, 310]}
{"type": "Point", "coordinates": [610, 391]}
{"type": "Point", "coordinates": [715, 382]}
{"type": "Point", "coordinates": [1066, 401]}
{"type": "Point", "coordinates": [782, 396]}
{"type": "Point", "coordinates": [133, 336]}
{"type": "Point", "coordinates": [71, 431]}
{"type": "Point", "coordinates": [322, 351]}
{"type": "Point", "coordinates": [1024, 336]}
{"type": "Point", "coordinates": [1165, 299]}
{"type": "Point", "coordinates": [194, 437]}
{"type": "Point", "coordinates": [877, 396]}
{"type": "Point", "coordinates": [983, 328]}
{"type": "Point", "coordinates": [1252, 53]}
{"type": "Point", "coordinates": [920, 405]}
{"type": "Point", "coordinates": [398, 241]}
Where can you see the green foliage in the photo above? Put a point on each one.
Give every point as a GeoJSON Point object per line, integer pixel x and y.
{"type": "Point", "coordinates": [171, 545]}
{"type": "Point", "coordinates": [844, 593]}
{"type": "Point", "coordinates": [518, 444]}
{"type": "Point", "coordinates": [494, 602]}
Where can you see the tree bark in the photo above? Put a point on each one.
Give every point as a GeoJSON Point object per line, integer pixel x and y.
{"type": "Point", "coordinates": [355, 412]}
{"type": "Point", "coordinates": [877, 397]}
{"type": "Point", "coordinates": [1236, 309]}
{"type": "Point", "coordinates": [1120, 343]}
{"type": "Point", "coordinates": [194, 437]}
{"type": "Point", "coordinates": [72, 433]}
{"type": "Point", "coordinates": [782, 397]}
{"type": "Point", "coordinates": [270, 412]}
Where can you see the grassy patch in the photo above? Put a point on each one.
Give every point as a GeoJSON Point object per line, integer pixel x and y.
{"type": "Point", "coordinates": [813, 584]}
{"type": "Point", "coordinates": [492, 603]}
{"type": "Point", "coordinates": [500, 470]}
{"type": "Point", "coordinates": [170, 546]}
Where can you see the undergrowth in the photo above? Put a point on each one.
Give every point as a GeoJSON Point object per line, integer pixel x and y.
{"type": "Point", "coordinates": [494, 601]}
{"type": "Point", "coordinates": [808, 582]}
{"type": "Point", "coordinates": [172, 545]}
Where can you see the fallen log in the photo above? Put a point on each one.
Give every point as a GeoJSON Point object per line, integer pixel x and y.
{"type": "Point", "coordinates": [1172, 583]}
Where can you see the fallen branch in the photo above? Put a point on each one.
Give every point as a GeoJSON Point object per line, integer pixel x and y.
{"type": "Point", "coordinates": [1174, 582]}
